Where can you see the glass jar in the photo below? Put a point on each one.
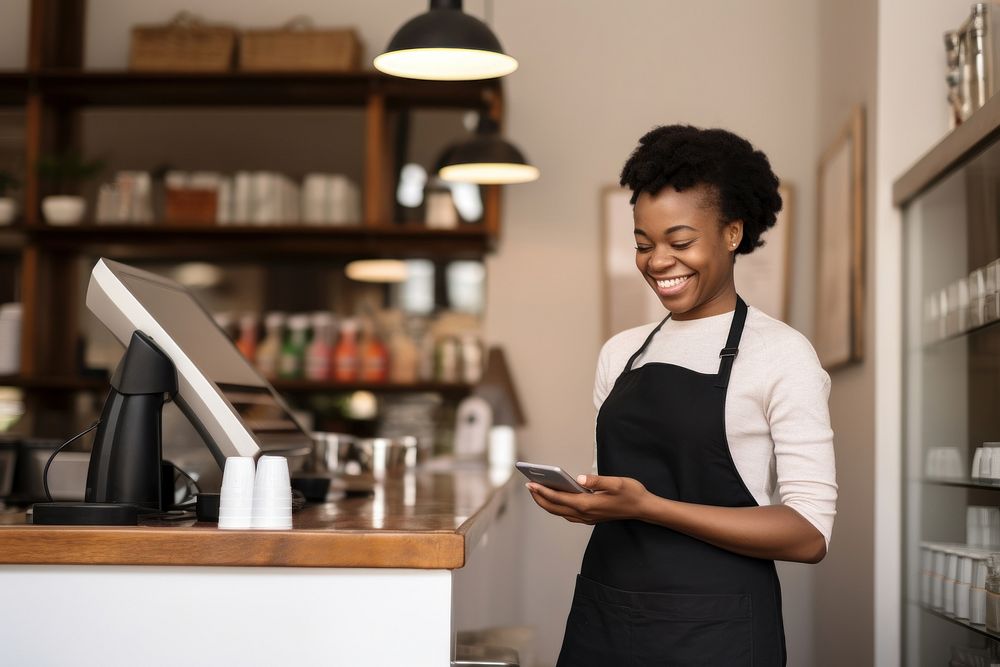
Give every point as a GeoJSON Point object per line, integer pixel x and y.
{"type": "Point", "coordinates": [993, 593]}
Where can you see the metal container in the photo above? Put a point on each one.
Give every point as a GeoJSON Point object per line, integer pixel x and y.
{"type": "Point", "coordinates": [378, 457]}
{"type": "Point", "coordinates": [326, 455]}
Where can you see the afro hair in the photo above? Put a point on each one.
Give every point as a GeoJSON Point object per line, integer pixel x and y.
{"type": "Point", "coordinates": [738, 177]}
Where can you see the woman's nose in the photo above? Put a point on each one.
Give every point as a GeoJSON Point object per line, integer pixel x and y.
{"type": "Point", "coordinates": [662, 259]}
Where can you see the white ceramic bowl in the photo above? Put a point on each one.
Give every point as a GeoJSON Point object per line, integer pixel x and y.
{"type": "Point", "coordinates": [64, 210]}
{"type": "Point", "coordinates": [8, 209]}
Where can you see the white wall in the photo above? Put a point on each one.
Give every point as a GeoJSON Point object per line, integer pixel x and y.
{"type": "Point", "coordinates": [594, 76]}
{"type": "Point", "coordinates": [843, 582]}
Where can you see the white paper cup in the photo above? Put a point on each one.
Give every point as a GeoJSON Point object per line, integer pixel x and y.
{"type": "Point", "coordinates": [272, 497]}
{"type": "Point", "coordinates": [976, 462]}
{"type": "Point", "coordinates": [986, 463]}
{"type": "Point", "coordinates": [237, 493]}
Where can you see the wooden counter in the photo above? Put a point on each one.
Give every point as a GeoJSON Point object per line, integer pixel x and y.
{"type": "Point", "coordinates": [425, 520]}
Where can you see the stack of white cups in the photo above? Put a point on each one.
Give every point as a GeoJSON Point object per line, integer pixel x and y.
{"type": "Point", "coordinates": [236, 497]}
{"type": "Point", "coordinates": [256, 499]}
{"type": "Point", "coordinates": [272, 494]}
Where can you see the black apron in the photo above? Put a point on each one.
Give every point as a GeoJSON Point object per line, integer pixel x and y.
{"type": "Point", "coordinates": [648, 595]}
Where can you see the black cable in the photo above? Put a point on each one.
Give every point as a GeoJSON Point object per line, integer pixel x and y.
{"type": "Point", "coordinates": [45, 470]}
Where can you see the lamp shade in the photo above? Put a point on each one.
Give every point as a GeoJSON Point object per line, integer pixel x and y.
{"type": "Point", "coordinates": [486, 159]}
{"type": "Point", "coordinates": [445, 44]}
{"type": "Point", "coordinates": [377, 270]}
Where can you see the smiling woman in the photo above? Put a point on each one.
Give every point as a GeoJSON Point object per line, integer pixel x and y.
{"type": "Point", "coordinates": [713, 441]}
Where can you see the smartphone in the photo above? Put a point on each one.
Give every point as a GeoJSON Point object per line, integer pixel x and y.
{"type": "Point", "coordinates": [553, 477]}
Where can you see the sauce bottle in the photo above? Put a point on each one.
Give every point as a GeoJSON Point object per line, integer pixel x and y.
{"type": "Point", "coordinates": [270, 348]}
{"type": "Point", "coordinates": [318, 352]}
{"type": "Point", "coordinates": [374, 357]}
{"type": "Point", "coordinates": [293, 352]}
{"type": "Point", "coordinates": [345, 353]}
{"type": "Point", "coordinates": [247, 342]}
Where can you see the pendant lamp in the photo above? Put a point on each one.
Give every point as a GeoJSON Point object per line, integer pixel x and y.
{"type": "Point", "coordinates": [445, 44]}
{"type": "Point", "coordinates": [487, 159]}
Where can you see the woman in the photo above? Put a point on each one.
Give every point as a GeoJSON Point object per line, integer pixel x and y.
{"type": "Point", "coordinates": [714, 449]}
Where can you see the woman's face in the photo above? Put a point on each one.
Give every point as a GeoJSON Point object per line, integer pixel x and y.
{"type": "Point", "coordinates": [685, 253]}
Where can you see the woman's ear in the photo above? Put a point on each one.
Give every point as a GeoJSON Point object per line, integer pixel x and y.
{"type": "Point", "coordinates": [733, 234]}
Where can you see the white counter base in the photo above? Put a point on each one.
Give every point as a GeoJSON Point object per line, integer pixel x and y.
{"type": "Point", "coordinates": [125, 616]}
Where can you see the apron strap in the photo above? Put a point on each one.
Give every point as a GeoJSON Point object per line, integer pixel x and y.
{"type": "Point", "coordinates": [652, 333]}
{"type": "Point", "coordinates": [732, 348]}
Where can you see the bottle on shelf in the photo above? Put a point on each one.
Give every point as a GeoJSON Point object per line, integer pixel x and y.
{"type": "Point", "coordinates": [404, 357]}
{"type": "Point", "coordinates": [472, 358]}
{"type": "Point", "coordinates": [293, 352]}
{"type": "Point", "coordinates": [373, 356]}
{"type": "Point", "coordinates": [269, 349]}
{"type": "Point", "coordinates": [345, 353]}
{"type": "Point", "coordinates": [247, 342]}
{"type": "Point", "coordinates": [319, 350]}
{"type": "Point", "coordinates": [447, 360]}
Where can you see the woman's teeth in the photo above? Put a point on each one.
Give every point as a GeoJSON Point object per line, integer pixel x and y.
{"type": "Point", "coordinates": [671, 282]}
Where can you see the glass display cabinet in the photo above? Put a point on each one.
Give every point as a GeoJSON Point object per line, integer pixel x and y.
{"type": "Point", "coordinates": [951, 391]}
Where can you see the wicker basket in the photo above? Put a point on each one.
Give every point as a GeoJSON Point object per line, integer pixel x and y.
{"type": "Point", "coordinates": [300, 47]}
{"type": "Point", "coordinates": [185, 44]}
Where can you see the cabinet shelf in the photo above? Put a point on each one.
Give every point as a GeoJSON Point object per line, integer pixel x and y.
{"type": "Point", "coordinates": [159, 240]}
{"type": "Point", "coordinates": [965, 483]}
{"type": "Point", "coordinates": [117, 88]}
{"type": "Point", "coordinates": [980, 629]}
{"type": "Point", "coordinates": [77, 383]}
{"type": "Point", "coordinates": [961, 335]}
{"type": "Point", "coordinates": [13, 88]}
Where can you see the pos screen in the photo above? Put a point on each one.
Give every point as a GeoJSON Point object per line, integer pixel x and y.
{"type": "Point", "coordinates": [235, 409]}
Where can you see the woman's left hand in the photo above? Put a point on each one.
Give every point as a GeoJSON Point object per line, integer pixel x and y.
{"type": "Point", "coordinates": [614, 498]}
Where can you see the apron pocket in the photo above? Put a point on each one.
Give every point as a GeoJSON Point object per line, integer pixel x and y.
{"type": "Point", "coordinates": [681, 629]}
{"type": "Point", "coordinates": [597, 634]}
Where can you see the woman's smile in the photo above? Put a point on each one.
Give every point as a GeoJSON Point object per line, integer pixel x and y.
{"type": "Point", "coordinates": [672, 286]}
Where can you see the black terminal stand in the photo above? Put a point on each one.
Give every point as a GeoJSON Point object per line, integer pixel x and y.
{"type": "Point", "coordinates": [124, 478]}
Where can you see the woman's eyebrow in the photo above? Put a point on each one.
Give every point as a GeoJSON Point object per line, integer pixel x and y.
{"type": "Point", "coordinates": [680, 228]}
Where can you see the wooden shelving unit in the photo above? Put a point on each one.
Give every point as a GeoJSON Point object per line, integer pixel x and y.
{"type": "Point", "coordinates": [54, 90]}
{"type": "Point", "coordinates": [71, 383]}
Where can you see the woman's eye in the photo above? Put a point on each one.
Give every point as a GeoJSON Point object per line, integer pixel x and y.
{"type": "Point", "coordinates": [643, 248]}
{"type": "Point", "coordinates": [682, 246]}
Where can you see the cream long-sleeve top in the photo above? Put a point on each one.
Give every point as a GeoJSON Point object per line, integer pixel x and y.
{"type": "Point", "coordinates": [777, 412]}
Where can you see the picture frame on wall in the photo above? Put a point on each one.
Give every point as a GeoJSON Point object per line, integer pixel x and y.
{"type": "Point", "coordinates": [762, 277]}
{"type": "Point", "coordinates": [839, 310]}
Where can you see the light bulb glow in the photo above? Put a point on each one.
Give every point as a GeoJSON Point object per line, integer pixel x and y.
{"type": "Point", "coordinates": [377, 271]}
{"type": "Point", "coordinates": [439, 64]}
{"type": "Point", "coordinates": [487, 173]}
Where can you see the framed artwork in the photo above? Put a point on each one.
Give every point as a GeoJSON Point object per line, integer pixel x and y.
{"type": "Point", "coordinates": [840, 250]}
{"type": "Point", "coordinates": [762, 277]}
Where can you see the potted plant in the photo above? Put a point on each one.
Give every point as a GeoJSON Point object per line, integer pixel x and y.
{"type": "Point", "coordinates": [63, 174]}
{"type": "Point", "coordinates": [8, 207]}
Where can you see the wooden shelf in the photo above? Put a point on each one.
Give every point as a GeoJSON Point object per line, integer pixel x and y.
{"type": "Point", "coordinates": [70, 383]}
{"type": "Point", "coordinates": [972, 136]}
{"type": "Point", "coordinates": [115, 88]}
{"type": "Point", "coordinates": [176, 241]}
{"type": "Point", "coordinates": [13, 88]}
{"type": "Point", "coordinates": [314, 386]}
{"type": "Point", "coordinates": [52, 382]}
